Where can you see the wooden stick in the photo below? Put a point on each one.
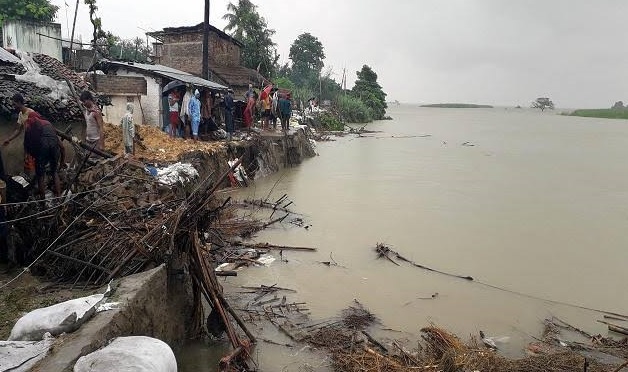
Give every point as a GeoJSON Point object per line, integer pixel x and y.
{"type": "Point", "coordinates": [273, 246]}
{"type": "Point", "coordinates": [625, 364]}
{"type": "Point", "coordinates": [374, 341]}
{"type": "Point", "coordinates": [615, 327]}
{"type": "Point", "coordinates": [76, 260]}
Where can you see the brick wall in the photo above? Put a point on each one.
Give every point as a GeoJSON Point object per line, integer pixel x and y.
{"type": "Point", "coordinates": [186, 57]}
{"type": "Point", "coordinates": [184, 51]}
{"type": "Point", "coordinates": [112, 84]}
{"type": "Point", "coordinates": [223, 52]}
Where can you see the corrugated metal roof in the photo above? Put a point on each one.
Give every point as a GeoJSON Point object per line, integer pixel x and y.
{"type": "Point", "coordinates": [169, 72]}
{"type": "Point", "coordinates": [8, 57]}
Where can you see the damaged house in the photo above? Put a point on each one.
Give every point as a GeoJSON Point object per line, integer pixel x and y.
{"type": "Point", "coordinates": [141, 84]}
{"type": "Point", "coordinates": [182, 48]}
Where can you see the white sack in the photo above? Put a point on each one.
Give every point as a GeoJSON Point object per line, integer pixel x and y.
{"type": "Point", "coordinates": [130, 354]}
{"type": "Point", "coordinates": [56, 319]}
{"type": "Point", "coordinates": [18, 356]}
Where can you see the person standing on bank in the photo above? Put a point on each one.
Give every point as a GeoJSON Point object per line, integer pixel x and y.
{"type": "Point", "coordinates": [249, 111]}
{"type": "Point", "coordinates": [194, 112]}
{"type": "Point", "coordinates": [275, 101]}
{"type": "Point", "coordinates": [229, 111]}
{"type": "Point", "coordinates": [184, 114]}
{"type": "Point", "coordinates": [249, 93]}
{"type": "Point", "coordinates": [173, 113]}
{"type": "Point", "coordinates": [128, 130]}
{"type": "Point", "coordinates": [285, 110]}
{"type": "Point", "coordinates": [266, 105]}
{"type": "Point", "coordinates": [93, 132]}
{"type": "Point", "coordinates": [41, 141]}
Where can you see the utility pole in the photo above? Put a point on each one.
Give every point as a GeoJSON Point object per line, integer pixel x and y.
{"type": "Point", "coordinates": [73, 27]}
{"type": "Point", "coordinates": [205, 72]}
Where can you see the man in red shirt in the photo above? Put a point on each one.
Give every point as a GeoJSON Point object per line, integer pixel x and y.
{"type": "Point", "coordinates": [41, 141]}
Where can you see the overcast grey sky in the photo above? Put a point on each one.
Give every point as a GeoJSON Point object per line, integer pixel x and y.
{"type": "Point", "coordinates": [477, 51]}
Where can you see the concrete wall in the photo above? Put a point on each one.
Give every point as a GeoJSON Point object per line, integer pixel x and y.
{"type": "Point", "coordinates": [115, 112]}
{"type": "Point", "coordinates": [184, 51]}
{"type": "Point", "coordinates": [149, 112]}
{"type": "Point", "coordinates": [121, 89]}
{"type": "Point", "coordinates": [152, 303]}
{"type": "Point", "coordinates": [24, 36]}
{"type": "Point", "coordinates": [84, 59]}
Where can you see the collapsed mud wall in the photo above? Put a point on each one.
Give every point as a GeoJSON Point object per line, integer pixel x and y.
{"type": "Point", "coordinates": [261, 156]}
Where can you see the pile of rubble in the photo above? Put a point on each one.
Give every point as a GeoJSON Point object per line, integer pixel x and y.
{"type": "Point", "coordinates": [39, 79]}
{"type": "Point", "coordinates": [7, 68]}
{"type": "Point", "coordinates": [156, 145]}
{"type": "Point", "coordinates": [52, 67]}
{"type": "Point", "coordinates": [112, 223]}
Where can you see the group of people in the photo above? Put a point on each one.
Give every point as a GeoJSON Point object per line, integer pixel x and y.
{"type": "Point", "coordinates": [272, 104]}
{"type": "Point", "coordinates": [42, 146]}
{"type": "Point", "coordinates": [188, 112]}
{"type": "Point", "coordinates": [191, 112]}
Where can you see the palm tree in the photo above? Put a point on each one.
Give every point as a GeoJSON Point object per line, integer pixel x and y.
{"type": "Point", "coordinates": [247, 26]}
{"type": "Point", "coordinates": [240, 18]}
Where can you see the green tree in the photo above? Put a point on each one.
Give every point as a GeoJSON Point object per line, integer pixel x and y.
{"type": "Point", "coordinates": [134, 50]}
{"type": "Point", "coordinates": [27, 10]}
{"type": "Point", "coordinates": [246, 25]}
{"type": "Point", "coordinates": [284, 82]}
{"type": "Point", "coordinates": [307, 55]}
{"type": "Point", "coordinates": [328, 88]}
{"type": "Point", "coordinates": [543, 103]}
{"type": "Point", "coordinates": [370, 92]}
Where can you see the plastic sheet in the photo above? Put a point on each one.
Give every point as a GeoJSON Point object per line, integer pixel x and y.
{"type": "Point", "coordinates": [175, 173]}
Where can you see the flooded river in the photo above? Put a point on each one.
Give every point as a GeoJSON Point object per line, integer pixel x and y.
{"type": "Point", "coordinates": [531, 202]}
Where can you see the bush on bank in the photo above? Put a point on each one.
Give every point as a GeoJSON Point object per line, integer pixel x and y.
{"type": "Point", "coordinates": [329, 121]}
{"type": "Point", "coordinates": [353, 110]}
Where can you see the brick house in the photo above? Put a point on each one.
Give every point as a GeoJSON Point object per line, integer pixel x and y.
{"type": "Point", "coordinates": [182, 48]}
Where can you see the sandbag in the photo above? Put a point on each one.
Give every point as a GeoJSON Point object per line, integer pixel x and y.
{"type": "Point", "coordinates": [130, 354]}
{"type": "Point", "coordinates": [18, 356]}
{"type": "Point", "coordinates": [61, 318]}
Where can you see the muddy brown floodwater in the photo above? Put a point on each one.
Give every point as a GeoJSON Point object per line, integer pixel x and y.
{"type": "Point", "coordinates": [532, 202]}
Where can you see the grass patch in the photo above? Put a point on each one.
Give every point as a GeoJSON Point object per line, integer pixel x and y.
{"type": "Point", "coordinates": [456, 105]}
{"type": "Point", "coordinates": [26, 294]}
{"type": "Point", "coordinates": [602, 113]}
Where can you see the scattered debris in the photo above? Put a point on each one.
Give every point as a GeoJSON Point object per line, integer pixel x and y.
{"type": "Point", "coordinates": [176, 173]}
{"type": "Point", "coordinates": [385, 251]}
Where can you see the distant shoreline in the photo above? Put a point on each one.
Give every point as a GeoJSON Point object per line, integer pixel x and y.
{"type": "Point", "coordinates": [601, 113]}
{"type": "Point", "coordinates": [456, 105]}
